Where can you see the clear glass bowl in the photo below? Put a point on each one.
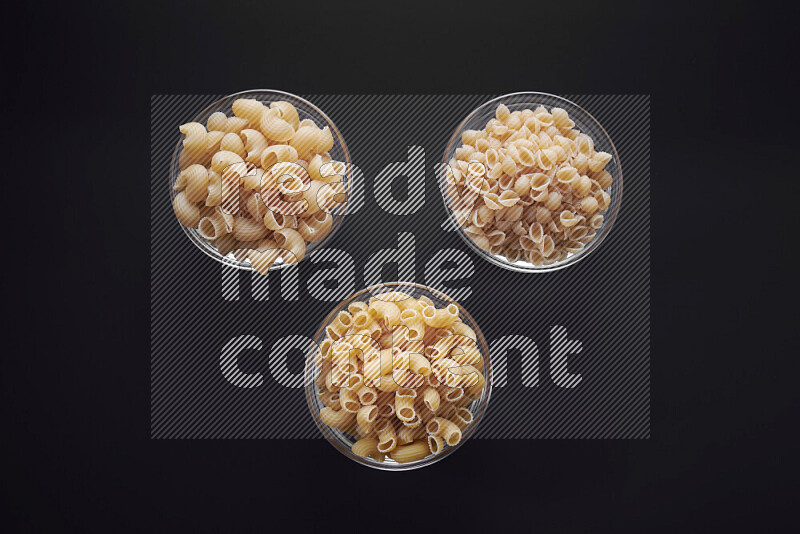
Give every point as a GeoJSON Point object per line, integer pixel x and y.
{"type": "Point", "coordinates": [306, 110]}
{"type": "Point", "coordinates": [342, 441]}
{"type": "Point", "coordinates": [586, 124]}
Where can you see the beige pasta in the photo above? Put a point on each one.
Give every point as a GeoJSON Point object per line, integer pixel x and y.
{"type": "Point", "coordinates": [448, 430]}
{"type": "Point", "coordinates": [387, 436]}
{"type": "Point", "coordinates": [336, 419]}
{"type": "Point", "coordinates": [404, 404]}
{"type": "Point", "coordinates": [529, 175]}
{"type": "Point", "coordinates": [268, 150]}
{"type": "Point", "coordinates": [393, 395]}
{"type": "Point", "coordinates": [411, 452]}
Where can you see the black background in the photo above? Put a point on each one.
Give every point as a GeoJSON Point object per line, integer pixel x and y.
{"type": "Point", "coordinates": [76, 88]}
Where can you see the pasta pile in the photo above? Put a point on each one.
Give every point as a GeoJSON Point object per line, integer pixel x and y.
{"type": "Point", "coordinates": [529, 186]}
{"type": "Point", "coordinates": [260, 183]}
{"type": "Point", "coordinates": [398, 374]}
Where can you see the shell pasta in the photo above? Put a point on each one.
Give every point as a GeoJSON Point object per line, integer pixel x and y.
{"type": "Point", "coordinates": [398, 397]}
{"type": "Point", "coordinates": [260, 184]}
{"type": "Point", "coordinates": [528, 186]}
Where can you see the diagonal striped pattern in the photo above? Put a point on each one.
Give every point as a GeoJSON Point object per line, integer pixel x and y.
{"type": "Point", "coordinates": [203, 313]}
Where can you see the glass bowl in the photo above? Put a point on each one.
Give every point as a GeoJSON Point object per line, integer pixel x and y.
{"type": "Point", "coordinates": [586, 124]}
{"type": "Point", "coordinates": [305, 110]}
{"type": "Point", "coordinates": [343, 441]}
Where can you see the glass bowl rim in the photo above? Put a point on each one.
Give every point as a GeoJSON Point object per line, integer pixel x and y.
{"type": "Point", "coordinates": [428, 460]}
{"type": "Point", "coordinates": [204, 245]}
{"type": "Point", "coordinates": [575, 258]}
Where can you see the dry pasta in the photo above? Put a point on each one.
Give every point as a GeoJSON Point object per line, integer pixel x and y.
{"type": "Point", "coordinates": [270, 175]}
{"type": "Point", "coordinates": [524, 170]}
{"type": "Point", "coordinates": [399, 397]}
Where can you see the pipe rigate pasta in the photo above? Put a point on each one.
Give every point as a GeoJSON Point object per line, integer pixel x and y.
{"type": "Point", "coordinates": [411, 396]}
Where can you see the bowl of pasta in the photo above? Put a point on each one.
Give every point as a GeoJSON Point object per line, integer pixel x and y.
{"type": "Point", "coordinates": [399, 376]}
{"type": "Point", "coordinates": [259, 179]}
{"type": "Point", "coordinates": [532, 181]}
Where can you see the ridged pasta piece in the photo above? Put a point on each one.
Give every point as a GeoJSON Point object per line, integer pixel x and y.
{"type": "Point", "coordinates": [305, 141]}
{"type": "Point", "coordinates": [349, 400]}
{"type": "Point", "coordinates": [589, 205]}
{"type": "Point", "coordinates": [216, 121]}
{"type": "Point", "coordinates": [287, 112]}
{"type": "Point", "coordinates": [435, 444]}
{"type": "Point", "coordinates": [235, 124]}
{"type": "Point", "coordinates": [404, 404]}
{"type": "Point", "coordinates": [447, 429]}
{"type": "Point", "coordinates": [412, 452]}
{"type": "Point", "coordinates": [439, 318]}
{"type": "Point", "coordinates": [463, 418]}
{"type": "Point", "coordinates": [387, 437]}
{"type": "Point", "coordinates": [245, 229]}
{"type": "Point", "coordinates": [188, 213]}
{"type": "Point", "coordinates": [292, 241]}
{"type": "Point", "coordinates": [249, 109]}
{"type": "Point", "coordinates": [335, 419]}
{"type": "Point", "coordinates": [274, 127]}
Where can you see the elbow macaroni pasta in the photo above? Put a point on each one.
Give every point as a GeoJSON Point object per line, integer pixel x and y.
{"type": "Point", "coordinates": [270, 175]}
{"type": "Point", "coordinates": [401, 398]}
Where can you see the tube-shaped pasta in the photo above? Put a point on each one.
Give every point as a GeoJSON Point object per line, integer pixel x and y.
{"type": "Point", "coordinates": [365, 447]}
{"type": "Point", "coordinates": [366, 394]}
{"type": "Point", "coordinates": [315, 227]}
{"type": "Point", "coordinates": [465, 376]}
{"type": "Point", "coordinates": [419, 364]}
{"type": "Point", "coordinates": [378, 365]}
{"type": "Point", "coordinates": [212, 226]}
{"type": "Point", "coordinates": [463, 418]}
{"type": "Point", "coordinates": [407, 434]}
{"type": "Point", "coordinates": [439, 426]}
{"type": "Point", "coordinates": [435, 444]}
{"type": "Point", "coordinates": [228, 163]}
{"type": "Point", "coordinates": [468, 355]}
{"type": "Point", "coordinates": [349, 400]}
{"type": "Point", "coordinates": [440, 318]}
{"type": "Point", "coordinates": [431, 399]}
{"type": "Point", "coordinates": [404, 404]}
{"type": "Point", "coordinates": [336, 419]}
{"type": "Point", "coordinates": [367, 415]}
{"type": "Point", "coordinates": [387, 437]}
{"type": "Point", "coordinates": [411, 452]}
{"type": "Point", "coordinates": [393, 381]}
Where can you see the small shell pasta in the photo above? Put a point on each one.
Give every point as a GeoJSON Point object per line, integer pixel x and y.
{"type": "Point", "coordinates": [522, 171]}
